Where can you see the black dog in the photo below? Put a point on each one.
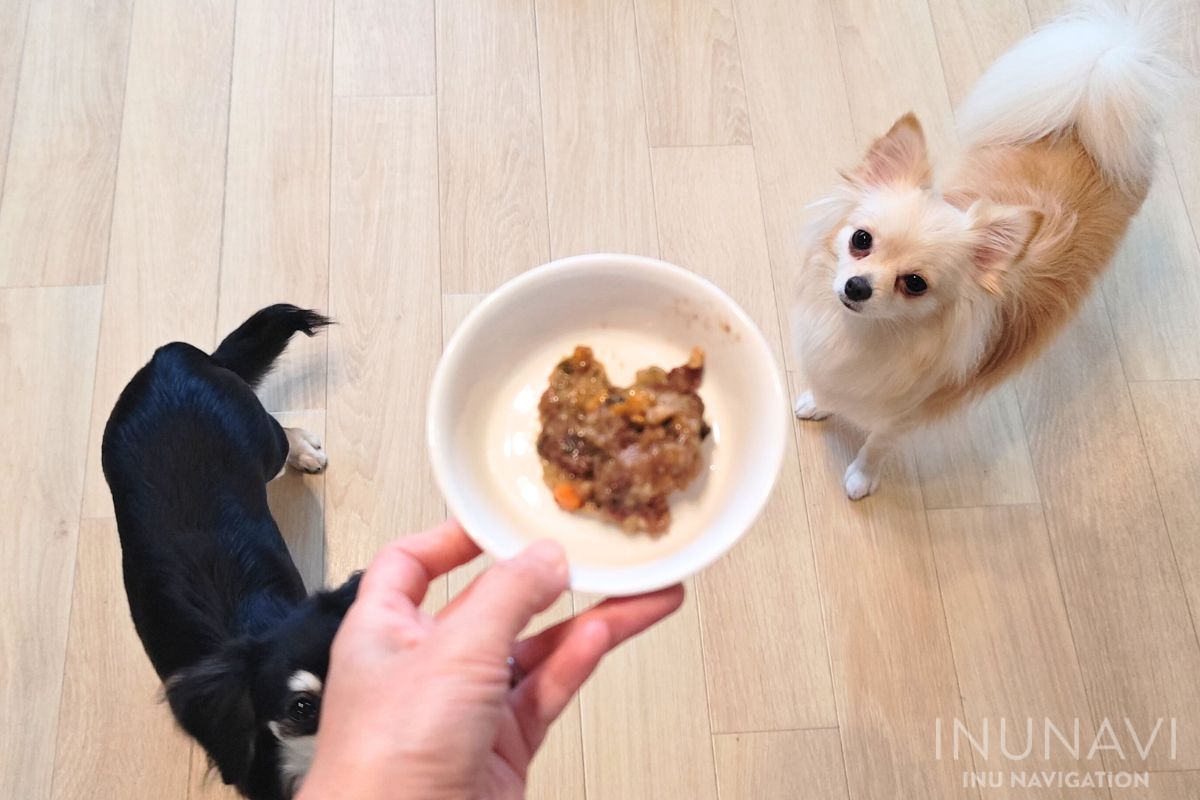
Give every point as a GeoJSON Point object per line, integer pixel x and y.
{"type": "Point", "coordinates": [241, 648]}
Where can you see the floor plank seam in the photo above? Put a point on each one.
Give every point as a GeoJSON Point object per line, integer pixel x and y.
{"type": "Point", "coordinates": [116, 173]}
{"type": "Point", "coordinates": [637, 42]}
{"type": "Point", "coordinates": [1062, 594]}
{"type": "Point", "coordinates": [380, 96]}
{"type": "Point", "coordinates": [805, 487]}
{"type": "Point", "coordinates": [329, 355]}
{"type": "Point", "coordinates": [1088, 692]}
{"type": "Point", "coordinates": [708, 706]}
{"type": "Point", "coordinates": [737, 37]}
{"type": "Point", "coordinates": [837, 46]}
{"type": "Point", "coordinates": [12, 120]}
{"type": "Point", "coordinates": [1162, 515]}
{"type": "Point", "coordinates": [960, 699]}
{"type": "Point", "coordinates": [709, 146]}
{"type": "Point", "coordinates": [810, 729]}
{"type": "Point", "coordinates": [1193, 215]}
{"type": "Point", "coordinates": [537, 60]}
{"type": "Point", "coordinates": [216, 334]}
{"type": "Point", "coordinates": [1187, 603]}
{"type": "Point", "coordinates": [62, 678]}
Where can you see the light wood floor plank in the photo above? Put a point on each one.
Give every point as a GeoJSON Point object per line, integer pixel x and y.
{"type": "Point", "coordinates": [537, 145]}
{"type": "Point", "coordinates": [1128, 611]}
{"type": "Point", "coordinates": [166, 231]}
{"type": "Point", "coordinates": [597, 157]}
{"type": "Point", "coordinates": [802, 129]}
{"type": "Point", "coordinates": [894, 629]}
{"type": "Point", "coordinates": [206, 785]}
{"type": "Point", "coordinates": [1164, 786]}
{"type": "Point", "coordinates": [1171, 430]}
{"type": "Point", "coordinates": [1152, 288]}
{"type": "Point", "coordinates": [1182, 133]}
{"type": "Point", "coordinates": [783, 765]}
{"type": "Point", "coordinates": [764, 646]}
{"type": "Point", "coordinates": [491, 164]}
{"type": "Point", "coordinates": [1012, 644]}
{"type": "Point", "coordinates": [1043, 11]}
{"type": "Point", "coordinates": [384, 294]}
{"type": "Point", "coordinates": [692, 72]}
{"type": "Point", "coordinates": [276, 239]}
{"type": "Point", "coordinates": [971, 35]}
{"type": "Point", "coordinates": [383, 47]}
{"type": "Point", "coordinates": [710, 220]}
{"type": "Point", "coordinates": [889, 56]}
{"type": "Point", "coordinates": [455, 308]}
{"type": "Point", "coordinates": [116, 739]}
{"type": "Point", "coordinates": [48, 359]}
{"type": "Point", "coordinates": [887, 624]}
{"type": "Point", "coordinates": [1183, 128]}
{"type": "Point", "coordinates": [297, 503]}
{"type": "Point", "coordinates": [645, 717]}
{"type": "Point", "coordinates": [13, 16]}
{"type": "Point", "coordinates": [979, 457]}
{"type": "Point", "coordinates": [62, 158]}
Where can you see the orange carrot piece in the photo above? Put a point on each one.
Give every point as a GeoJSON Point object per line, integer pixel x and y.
{"type": "Point", "coordinates": [567, 498]}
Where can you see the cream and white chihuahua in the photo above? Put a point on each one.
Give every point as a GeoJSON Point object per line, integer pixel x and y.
{"type": "Point", "coordinates": [919, 292]}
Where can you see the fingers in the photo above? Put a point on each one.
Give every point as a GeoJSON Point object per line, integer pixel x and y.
{"type": "Point", "coordinates": [505, 597]}
{"type": "Point", "coordinates": [406, 566]}
{"type": "Point", "coordinates": [460, 598]}
{"type": "Point", "coordinates": [625, 617]}
{"type": "Point", "coordinates": [541, 697]}
{"type": "Point", "coordinates": [562, 658]}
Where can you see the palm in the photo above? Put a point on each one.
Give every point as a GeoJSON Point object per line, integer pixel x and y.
{"type": "Point", "coordinates": [434, 692]}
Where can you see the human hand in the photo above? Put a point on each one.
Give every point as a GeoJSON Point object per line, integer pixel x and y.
{"type": "Point", "coordinates": [418, 706]}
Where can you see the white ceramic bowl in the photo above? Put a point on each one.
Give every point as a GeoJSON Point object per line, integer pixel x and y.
{"type": "Point", "coordinates": [633, 312]}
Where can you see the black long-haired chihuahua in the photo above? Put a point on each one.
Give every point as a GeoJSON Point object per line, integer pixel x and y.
{"type": "Point", "coordinates": [240, 646]}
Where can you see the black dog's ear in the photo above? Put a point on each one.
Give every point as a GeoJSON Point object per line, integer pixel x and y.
{"type": "Point", "coordinates": [212, 702]}
{"type": "Point", "coordinates": [339, 600]}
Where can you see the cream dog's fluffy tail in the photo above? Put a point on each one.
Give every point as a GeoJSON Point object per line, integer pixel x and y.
{"type": "Point", "coordinates": [1100, 72]}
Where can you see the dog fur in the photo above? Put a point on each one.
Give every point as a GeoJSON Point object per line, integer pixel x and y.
{"type": "Point", "coordinates": [221, 610]}
{"type": "Point", "coordinates": [969, 274]}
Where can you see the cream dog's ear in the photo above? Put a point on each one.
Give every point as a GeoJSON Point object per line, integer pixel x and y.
{"type": "Point", "coordinates": [899, 156]}
{"type": "Point", "coordinates": [1000, 236]}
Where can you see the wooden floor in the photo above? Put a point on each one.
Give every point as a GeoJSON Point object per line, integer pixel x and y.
{"type": "Point", "coordinates": [173, 165]}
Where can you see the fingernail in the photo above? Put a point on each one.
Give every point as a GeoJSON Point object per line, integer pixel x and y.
{"type": "Point", "coordinates": [549, 552]}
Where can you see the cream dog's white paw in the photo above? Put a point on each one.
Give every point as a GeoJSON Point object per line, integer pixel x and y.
{"type": "Point", "coordinates": [304, 451]}
{"type": "Point", "coordinates": [859, 482]}
{"type": "Point", "coordinates": [805, 407]}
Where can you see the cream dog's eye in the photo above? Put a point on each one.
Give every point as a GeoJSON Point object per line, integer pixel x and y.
{"type": "Point", "coordinates": [860, 241]}
{"type": "Point", "coordinates": [913, 285]}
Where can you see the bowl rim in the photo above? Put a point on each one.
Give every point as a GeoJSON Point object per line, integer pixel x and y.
{"type": "Point", "coordinates": [475, 524]}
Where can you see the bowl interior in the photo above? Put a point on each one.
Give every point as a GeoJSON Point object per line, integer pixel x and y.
{"type": "Point", "coordinates": [633, 312]}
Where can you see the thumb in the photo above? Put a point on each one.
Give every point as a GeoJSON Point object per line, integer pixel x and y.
{"type": "Point", "coordinates": [502, 601]}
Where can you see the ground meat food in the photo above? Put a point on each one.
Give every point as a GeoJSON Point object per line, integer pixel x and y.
{"type": "Point", "coordinates": [617, 453]}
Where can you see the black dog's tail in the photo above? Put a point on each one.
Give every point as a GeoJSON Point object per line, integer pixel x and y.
{"type": "Point", "coordinates": [251, 350]}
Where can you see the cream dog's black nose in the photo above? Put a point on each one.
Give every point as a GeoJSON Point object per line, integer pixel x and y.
{"type": "Point", "coordinates": [858, 288]}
